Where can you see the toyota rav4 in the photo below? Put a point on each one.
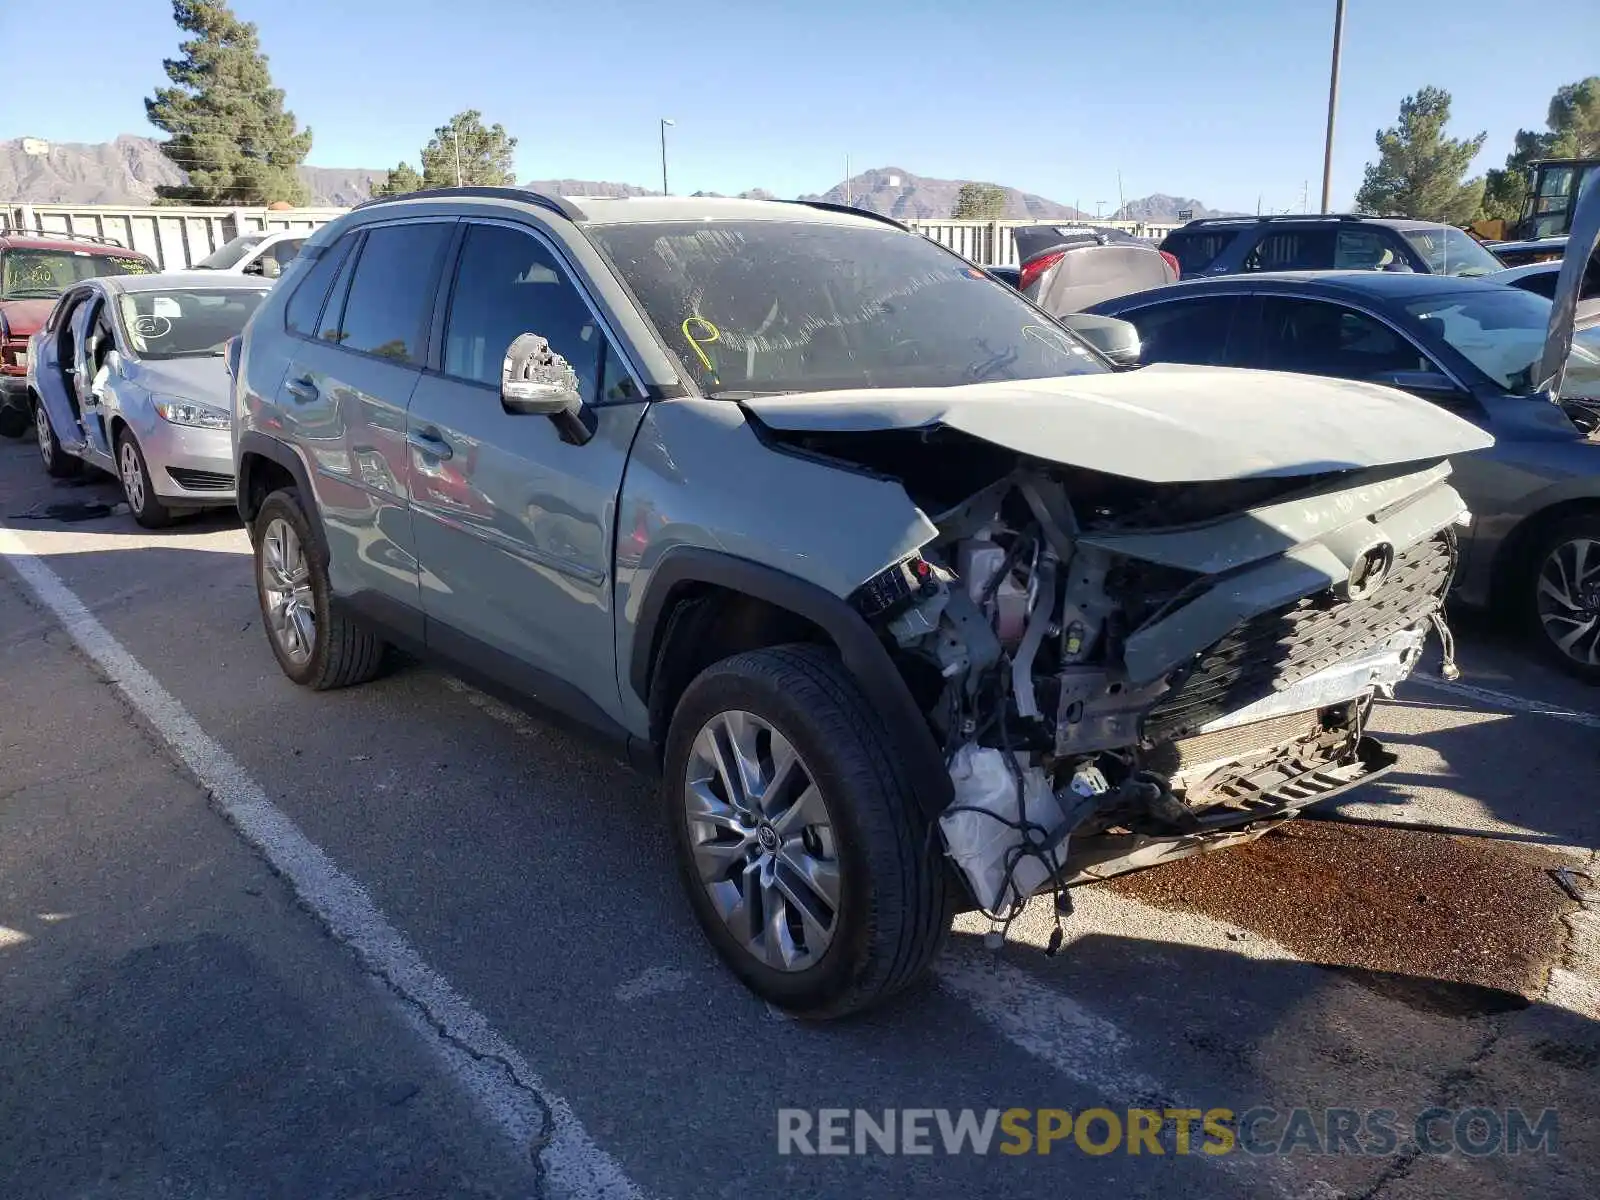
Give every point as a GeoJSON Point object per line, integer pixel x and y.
{"type": "Point", "coordinates": [913, 600]}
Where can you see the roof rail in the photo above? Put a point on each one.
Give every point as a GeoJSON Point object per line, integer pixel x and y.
{"type": "Point", "coordinates": [21, 232]}
{"type": "Point", "coordinates": [829, 206]}
{"type": "Point", "coordinates": [1267, 218]}
{"type": "Point", "coordinates": [543, 200]}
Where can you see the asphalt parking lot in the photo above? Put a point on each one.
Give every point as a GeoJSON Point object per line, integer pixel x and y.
{"type": "Point", "coordinates": [403, 941]}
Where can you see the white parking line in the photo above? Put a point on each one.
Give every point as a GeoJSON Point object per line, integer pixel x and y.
{"type": "Point", "coordinates": [1510, 700]}
{"type": "Point", "coordinates": [487, 1067]}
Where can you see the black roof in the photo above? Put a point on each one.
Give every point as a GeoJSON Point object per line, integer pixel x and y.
{"type": "Point", "coordinates": [1203, 223]}
{"type": "Point", "coordinates": [1382, 285]}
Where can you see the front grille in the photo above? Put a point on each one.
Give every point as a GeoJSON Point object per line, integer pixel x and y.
{"type": "Point", "coordinates": [1276, 649]}
{"type": "Point", "coordinates": [201, 481]}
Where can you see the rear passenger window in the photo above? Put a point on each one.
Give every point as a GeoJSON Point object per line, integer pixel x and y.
{"type": "Point", "coordinates": [1185, 331]}
{"type": "Point", "coordinates": [507, 284]}
{"type": "Point", "coordinates": [1293, 250]}
{"type": "Point", "coordinates": [1368, 249]}
{"type": "Point", "coordinates": [1196, 250]}
{"type": "Point", "coordinates": [392, 291]}
{"type": "Point", "coordinates": [305, 306]}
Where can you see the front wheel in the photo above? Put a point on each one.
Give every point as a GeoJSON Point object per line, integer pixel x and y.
{"type": "Point", "coordinates": [805, 855]}
{"type": "Point", "coordinates": [1563, 594]}
{"type": "Point", "coordinates": [132, 470]}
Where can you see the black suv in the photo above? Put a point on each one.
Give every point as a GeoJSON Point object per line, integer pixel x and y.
{"type": "Point", "coordinates": [1335, 242]}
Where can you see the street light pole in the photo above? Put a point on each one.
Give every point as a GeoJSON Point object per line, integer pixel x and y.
{"type": "Point", "coordinates": [665, 121]}
{"type": "Point", "coordinates": [1333, 104]}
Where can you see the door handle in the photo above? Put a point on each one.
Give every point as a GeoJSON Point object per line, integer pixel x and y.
{"type": "Point", "coordinates": [429, 442]}
{"type": "Point", "coordinates": [303, 389]}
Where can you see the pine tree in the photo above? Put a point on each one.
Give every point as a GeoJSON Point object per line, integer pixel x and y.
{"type": "Point", "coordinates": [398, 181]}
{"type": "Point", "coordinates": [1572, 130]}
{"type": "Point", "coordinates": [1419, 172]}
{"type": "Point", "coordinates": [485, 158]}
{"type": "Point", "coordinates": [980, 202]}
{"type": "Point", "coordinates": [229, 131]}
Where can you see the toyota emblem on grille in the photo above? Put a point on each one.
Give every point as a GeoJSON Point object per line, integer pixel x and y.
{"type": "Point", "coordinates": [1370, 570]}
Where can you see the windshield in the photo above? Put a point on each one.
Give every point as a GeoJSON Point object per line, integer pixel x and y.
{"type": "Point", "coordinates": [790, 306]}
{"type": "Point", "coordinates": [229, 253]}
{"type": "Point", "coordinates": [1451, 252]}
{"type": "Point", "coordinates": [184, 324]}
{"type": "Point", "coordinates": [41, 274]}
{"type": "Point", "coordinates": [1502, 332]}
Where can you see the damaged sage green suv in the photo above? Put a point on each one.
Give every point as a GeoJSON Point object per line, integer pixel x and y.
{"type": "Point", "coordinates": [913, 601]}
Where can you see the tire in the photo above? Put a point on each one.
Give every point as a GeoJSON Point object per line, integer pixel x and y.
{"type": "Point", "coordinates": [14, 422]}
{"type": "Point", "coordinates": [892, 901]}
{"type": "Point", "coordinates": [328, 650]}
{"type": "Point", "coordinates": [1556, 605]}
{"type": "Point", "coordinates": [58, 464]}
{"type": "Point", "coordinates": [137, 488]}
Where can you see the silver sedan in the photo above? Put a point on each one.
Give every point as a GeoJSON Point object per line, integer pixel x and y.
{"type": "Point", "coordinates": [128, 375]}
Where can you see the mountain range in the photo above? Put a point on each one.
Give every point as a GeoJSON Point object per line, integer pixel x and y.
{"type": "Point", "coordinates": [129, 169]}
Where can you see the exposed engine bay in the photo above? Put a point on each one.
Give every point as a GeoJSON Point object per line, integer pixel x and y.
{"type": "Point", "coordinates": [1123, 673]}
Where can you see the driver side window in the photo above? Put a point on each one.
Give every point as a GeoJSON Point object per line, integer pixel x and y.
{"type": "Point", "coordinates": [508, 283]}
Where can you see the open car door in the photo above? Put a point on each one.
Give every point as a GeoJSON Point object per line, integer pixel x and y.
{"type": "Point", "coordinates": [57, 367]}
{"type": "Point", "coordinates": [1579, 261]}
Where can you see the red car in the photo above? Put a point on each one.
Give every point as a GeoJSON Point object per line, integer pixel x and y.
{"type": "Point", "coordinates": [35, 268]}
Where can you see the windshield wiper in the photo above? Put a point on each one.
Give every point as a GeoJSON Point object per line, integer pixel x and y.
{"type": "Point", "coordinates": [743, 395]}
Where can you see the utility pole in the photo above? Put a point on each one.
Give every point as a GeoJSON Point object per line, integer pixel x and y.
{"type": "Point", "coordinates": [1099, 208]}
{"type": "Point", "coordinates": [665, 121]}
{"type": "Point", "coordinates": [456, 133]}
{"type": "Point", "coordinates": [847, 181]}
{"type": "Point", "coordinates": [1333, 105]}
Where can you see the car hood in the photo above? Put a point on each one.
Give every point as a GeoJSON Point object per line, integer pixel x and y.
{"type": "Point", "coordinates": [201, 379]}
{"type": "Point", "coordinates": [1161, 423]}
{"type": "Point", "coordinates": [23, 317]}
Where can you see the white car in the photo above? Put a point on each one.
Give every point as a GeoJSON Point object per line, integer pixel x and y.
{"type": "Point", "coordinates": [263, 254]}
{"type": "Point", "coordinates": [128, 375]}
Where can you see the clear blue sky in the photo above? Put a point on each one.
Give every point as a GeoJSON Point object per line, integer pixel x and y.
{"type": "Point", "coordinates": [1047, 95]}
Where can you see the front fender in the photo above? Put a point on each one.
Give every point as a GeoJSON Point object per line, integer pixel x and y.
{"type": "Point", "coordinates": [705, 500]}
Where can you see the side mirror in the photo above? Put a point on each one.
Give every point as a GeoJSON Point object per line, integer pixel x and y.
{"type": "Point", "coordinates": [1117, 339]}
{"type": "Point", "coordinates": [114, 361]}
{"type": "Point", "coordinates": [536, 381]}
{"type": "Point", "coordinates": [1430, 385]}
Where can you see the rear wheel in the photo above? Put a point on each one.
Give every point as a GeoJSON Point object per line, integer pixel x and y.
{"type": "Point", "coordinates": [58, 464]}
{"type": "Point", "coordinates": [134, 474]}
{"type": "Point", "coordinates": [805, 855]}
{"type": "Point", "coordinates": [316, 646]}
{"type": "Point", "coordinates": [1562, 595]}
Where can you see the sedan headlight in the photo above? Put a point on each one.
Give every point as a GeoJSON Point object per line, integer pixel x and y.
{"type": "Point", "coordinates": [187, 412]}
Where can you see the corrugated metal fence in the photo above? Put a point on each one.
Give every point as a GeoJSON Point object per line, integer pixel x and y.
{"type": "Point", "coordinates": [175, 236]}
{"type": "Point", "coordinates": [178, 237]}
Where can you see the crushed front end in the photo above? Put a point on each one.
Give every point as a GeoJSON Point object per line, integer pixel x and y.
{"type": "Point", "coordinates": [1125, 673]}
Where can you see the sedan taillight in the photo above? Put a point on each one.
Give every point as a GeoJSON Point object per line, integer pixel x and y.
{"type": "Point", "coordinates": [1032, 270]}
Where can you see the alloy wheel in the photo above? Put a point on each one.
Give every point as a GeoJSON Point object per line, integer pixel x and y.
{"type": "Point", "coordinates": [132, 475]}
{"type": "Point", "coordinates": [286, 584]}
{"type": "Point", "coordinates": [46, 438]}
{"type": "Point", "coordinates": [1569, 599]}
{"type": "Point", "coordinates": [762, 840]}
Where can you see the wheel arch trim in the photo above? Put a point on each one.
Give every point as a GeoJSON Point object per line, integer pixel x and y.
{"type": "Point", "coordinates": [864, 656]}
